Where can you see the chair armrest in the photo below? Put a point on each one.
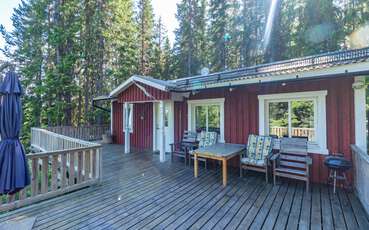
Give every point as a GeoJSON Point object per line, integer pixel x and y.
{"type": "Point", "coordinates": [274, 157]}
{"type": "Point", "coordinates": [309, 161]}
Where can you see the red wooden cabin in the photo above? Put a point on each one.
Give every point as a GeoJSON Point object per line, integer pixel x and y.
{"type": "Point", "coordinates": [321, 97]}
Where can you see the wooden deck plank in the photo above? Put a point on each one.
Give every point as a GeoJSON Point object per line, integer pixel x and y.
{"type": "Point", "coordinates": [279, 220]}
{"type": "Point", "coordinates": [347, 211]}
{"type": "Point", "coordinates": [316, 214]}
{"type": "Point", "coordinates": [214, 209]}
{"type": "Point", "coordinates": [338, 218]}
{"type": "Point", "coordinates": [294, 216]}
{"type": "Point", "coordinates": [165, 213]}
{"type": "Point", "coordinates": [195, 213]}
{"type": "Point", "coordinates": [247, 206]}
{"type": "Point", "coordinates": [304, 221]}
{"type": "Point", "coordinates": [138, 192]}
{"type": "Point", "coordinates": [270, 206]}
{"type": "Point", "coordinates": [125, 200]}
{"type": "Point", "coordinates": [219, 215]}
{"type": "Point", "coordinates": [223, 222]}
{"type": "Point", "coordinates": [360, 215]}
{"type": "Point", "coordinates": [327, 216]}
{"type": "Point", "coordinates": [264, 198]}
{"type": "Point", "coordinates": [196, 188]}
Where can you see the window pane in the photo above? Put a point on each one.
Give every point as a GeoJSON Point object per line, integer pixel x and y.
{"type": "Point", "coordinates": [367, 111]}
{"type": "Point", "coordinates": [214, 118]}
{"type": "Point", "coordinates": [278, 119]}
{"type": "Point", "coordinates": [166, 117]}
{"type": "Point", "coordinates": [200, 118]}
{"type": "Point", "coordinates": [302, 119]}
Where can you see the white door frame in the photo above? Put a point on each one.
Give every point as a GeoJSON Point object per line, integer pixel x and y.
{"type": "Point", "coordinates": [166, 137]}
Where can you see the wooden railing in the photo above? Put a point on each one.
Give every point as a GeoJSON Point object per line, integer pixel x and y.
{"type": "Point", "coordinates": [361, 175]}
{"type": "Point", "coordinates": [301, 132]}
{"type": "Point", "coordinates": [88, 133]}
{"type": "Point", "coordinates": [64, 164]}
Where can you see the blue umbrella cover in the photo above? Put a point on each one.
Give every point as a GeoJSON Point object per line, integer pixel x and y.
{"type": "Point", "coordinates": [14, 173]}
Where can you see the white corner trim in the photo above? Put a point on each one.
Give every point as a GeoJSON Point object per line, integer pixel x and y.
{"type": "Point", "coordinates": [111, 117]}
{"type": "Point", "coordinates": [320, 115]}
{"type": "Point", "coordinates": [360, 112]}
{"type": "Point", "coordinates": [214, 101]}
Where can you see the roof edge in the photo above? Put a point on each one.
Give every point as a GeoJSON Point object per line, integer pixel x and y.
{"type": "Point", "coordinates": [136, 78]}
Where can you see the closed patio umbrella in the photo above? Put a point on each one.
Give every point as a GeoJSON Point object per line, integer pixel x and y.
{"type": "Point", "coordinates": [14, 174]}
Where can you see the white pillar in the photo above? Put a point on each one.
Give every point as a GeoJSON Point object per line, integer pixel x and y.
{"type": "Point", "coordinates": [154, 147]}
{"type": "Point", "coordinates": [360, 113]}
{"type": "Point", "coordinates": [127, 142]}
{"type": "Point", "coordinates": [162, 131]}
{"type": "Point", "coordinates": [111, 117]}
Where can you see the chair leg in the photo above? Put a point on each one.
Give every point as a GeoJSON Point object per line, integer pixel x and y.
{"type": "Point", "coordinates": [206, 164]}
{"type": "Point", "coordinates": [241, 170]}
{"type": "Point", "coordinates": [307, 186]}
{"type": "Point", "coordinates": [274, 179]}
{"type": "Point", "coordinates": [266, 174]}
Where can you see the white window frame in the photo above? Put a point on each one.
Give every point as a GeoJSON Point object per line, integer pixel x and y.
{"type": "Point", "coordinates": [318, 146]}
{"type": "Point", "coordinates": [206, 102]}
{"type": "Point", "coordinates": [130, 118]}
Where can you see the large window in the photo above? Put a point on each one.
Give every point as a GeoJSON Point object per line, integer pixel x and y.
{"type": "Point", "coordinates": [292, 118]}
{"type": "Point", "coordinates": [207, 118]}
{"type": "Point", "coordinates": [299, 115]}
{"type": "Point", "coordinates": [207, 115]}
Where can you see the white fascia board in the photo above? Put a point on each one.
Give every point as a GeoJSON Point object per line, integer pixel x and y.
{"type": "Point", "coordinates": [323, 72]}
{"type": "Point", "coordinates": [131, 81]}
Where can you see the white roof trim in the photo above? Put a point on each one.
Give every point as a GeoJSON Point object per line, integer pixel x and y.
{"type": "Point", "coordinates": [331, 71]}
{"type": "Point", "coordinates": [130, 81]}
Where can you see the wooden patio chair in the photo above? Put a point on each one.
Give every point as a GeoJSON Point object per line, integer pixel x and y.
{"type": "Point", "coordinates": [180, 149]}
{"type": "Point", "coordinates": [257, 154]}
{"type": "Point", "coordinates": [205, 139]}
{"type": "Point", "coordinates": [293, 160]}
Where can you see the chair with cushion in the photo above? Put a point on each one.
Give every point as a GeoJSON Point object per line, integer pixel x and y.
{"type": "Point", "coordinates": [181, 148]}
{"type": "Point", "coordinates": [293, 160]}
{"type": "Point", "coordinates": [257, 154]}
{"type": "Point", "coordinates": [205, 139]}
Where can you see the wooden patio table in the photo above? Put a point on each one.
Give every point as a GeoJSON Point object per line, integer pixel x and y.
{"type": "Point", "coordinates": [221, 152]}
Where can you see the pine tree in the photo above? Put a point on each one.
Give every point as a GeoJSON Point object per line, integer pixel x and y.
{"type": "Point", "coordinates": [145, 21]}
{"type": "Point", "coordinates": [121, 41]}
{"type": "Point", "coordinates": [190, 48]}
{"type": "Point", "coordinates": [218, 31]}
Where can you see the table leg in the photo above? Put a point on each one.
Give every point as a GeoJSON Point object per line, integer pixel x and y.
{"type": "Point", "coordinates": [224, 165]}
{"type": "Point", "coordinates": [195, 165]}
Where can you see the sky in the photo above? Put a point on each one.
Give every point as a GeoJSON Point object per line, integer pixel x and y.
{"type": "Point", "coordinates": [166, 9]}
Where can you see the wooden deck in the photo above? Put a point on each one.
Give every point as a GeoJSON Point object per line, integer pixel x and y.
{"type": "Point", "coordinates": [138, 192]}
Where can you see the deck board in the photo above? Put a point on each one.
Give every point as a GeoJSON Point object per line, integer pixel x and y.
{"type": "Point", "coordinates": [139, 192]}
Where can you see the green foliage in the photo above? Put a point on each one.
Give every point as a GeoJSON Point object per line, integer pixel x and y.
{"type": "Point", "coordinates": [68, 52]}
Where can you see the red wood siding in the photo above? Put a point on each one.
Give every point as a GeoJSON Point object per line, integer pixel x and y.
{"type": "Point", "coordinates": [118, 137]}
{"type": "Point", "coordinates": [241, 114]}
{"type": "Point", "coordinates": [135, 94]}
{"type": "Point", "coordinates": [142, 135]}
